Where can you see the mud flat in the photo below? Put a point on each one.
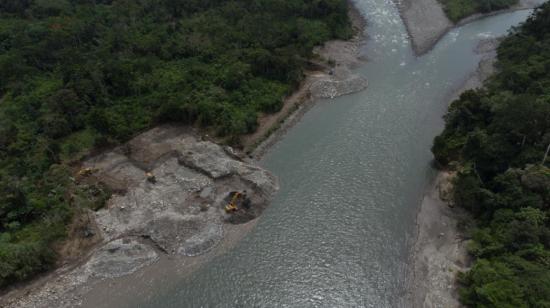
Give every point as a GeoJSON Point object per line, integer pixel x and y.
{"type": "Point", "coordinates": [179, 214]}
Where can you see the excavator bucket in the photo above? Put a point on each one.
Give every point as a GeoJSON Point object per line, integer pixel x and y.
{"type": "Point", "coordinates": [232, 206]}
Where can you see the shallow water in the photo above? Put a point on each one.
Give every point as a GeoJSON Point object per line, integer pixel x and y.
{"type": "Point", "coordinates": [352, 175]}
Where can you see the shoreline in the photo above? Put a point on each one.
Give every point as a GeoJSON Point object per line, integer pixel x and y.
{"type": "Point", "coordinates": [63, 285]}
{"type": "Point", "coordinates": [345, 55]}
{"type": "Point", "coordinates": [426, 22]}
{"type": "Point", "coordinates": [439, 250]}
{"type": "Point", "coordinates": [58, 286]}
{"type": "Point", "coordinates": [120, 292]}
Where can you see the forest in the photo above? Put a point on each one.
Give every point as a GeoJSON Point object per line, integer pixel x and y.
{"type": "Point", "coordinates": [495, 139]}
{"type": "Point", "coordinates": [77, 75]}
{"type": "Point", "coordinates": [459, 9]}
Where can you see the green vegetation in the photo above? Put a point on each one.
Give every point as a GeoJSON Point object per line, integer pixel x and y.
{"type": "Point", "coordinates": [77, 74]}
{"type": "Point", "coordinates": [496, 140]}
{"type": "Point", "coordinates": [459, 9]}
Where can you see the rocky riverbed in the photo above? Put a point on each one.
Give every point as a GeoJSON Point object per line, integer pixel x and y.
{"type": "Point", "coordinates": [340, 79]}
{"type": "Point", "coordinates": [178, 213]}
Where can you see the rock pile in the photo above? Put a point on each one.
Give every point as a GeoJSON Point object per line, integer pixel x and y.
{"type": "Point", "coordinates": [331, 87]}
{"type": "Point", "coordinates": [341, 80]}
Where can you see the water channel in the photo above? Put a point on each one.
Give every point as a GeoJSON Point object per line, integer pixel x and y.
{"type": "Point", "coordinates": [352, 174]}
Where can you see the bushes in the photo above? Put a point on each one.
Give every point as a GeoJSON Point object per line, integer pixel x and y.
{"type": "Point", "coordinates": [498, 138]}
{"type": "Point", "coordinates": [20, 261]}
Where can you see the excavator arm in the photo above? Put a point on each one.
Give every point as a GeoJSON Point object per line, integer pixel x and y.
{"type": "Point", "coordinates": [232, 206]}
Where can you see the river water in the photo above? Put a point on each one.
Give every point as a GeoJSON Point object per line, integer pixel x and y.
{"type": "Point", "coordinates": [352, 174]}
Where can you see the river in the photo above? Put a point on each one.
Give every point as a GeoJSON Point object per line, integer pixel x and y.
{"type": "Point", "coordinates": [352, 175]}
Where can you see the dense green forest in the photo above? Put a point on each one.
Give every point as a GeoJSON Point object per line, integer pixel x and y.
{"type": "Point", "coordinates": [459, 9]}
{"type": "Point", "coordinates": [82, 74]}
{"type": "Point", "coordinates": [496, 138]}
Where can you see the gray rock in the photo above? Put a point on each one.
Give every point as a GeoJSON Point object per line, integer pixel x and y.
{"type": "Point", "coordinates": [342, 82]}
{"type": "Point", "coordinates": [209, 158]}
{"type": "Point", "coordinates": [120, 257]}
{"type": "Point", "coordinates": [202, 241]}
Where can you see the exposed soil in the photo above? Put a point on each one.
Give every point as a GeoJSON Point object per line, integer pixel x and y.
{"type": "Point", "coordinates": [81, 238]}
{"type": "Point", "coordinates": [177, 210]}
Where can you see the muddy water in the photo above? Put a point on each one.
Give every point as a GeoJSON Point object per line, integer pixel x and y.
{"type": "Point", "coordinates": [352, 174]}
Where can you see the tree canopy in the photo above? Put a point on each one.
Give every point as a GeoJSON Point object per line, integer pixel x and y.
{"type": "Point", "coordinates": [78, 74]}
{"type": "Point", "coordinates": [496, 139]}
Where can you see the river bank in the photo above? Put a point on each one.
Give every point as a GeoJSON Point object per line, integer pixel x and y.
{"type": "Point", "coordinates": [330, 75]}
{"type": "Point", "coordinates": [426, 22]}
{"type": "Point", "coordinates": [335, 234]}
{"type": "Point", "coordinates": [147, 223]}
{"type": "Point", "coordinates": [352, 177]}
{"type": "Point", "coordinates": [440, 248]}
{"type": "Point", "coordinates": [170, 187]}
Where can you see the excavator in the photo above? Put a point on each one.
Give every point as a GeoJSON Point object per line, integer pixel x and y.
{"type": "Point", "coordinates": [86, 171]}
{"type": "Point", "coordinates": [151, 177]}
{"type": "Point", "coordinates": [232, 205]}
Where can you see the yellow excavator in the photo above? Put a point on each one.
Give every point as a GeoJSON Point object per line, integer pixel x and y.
{"type": "Point", "coordinates": [232, 206]}
{"type": "Point", "coordinates": [86, 171]}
